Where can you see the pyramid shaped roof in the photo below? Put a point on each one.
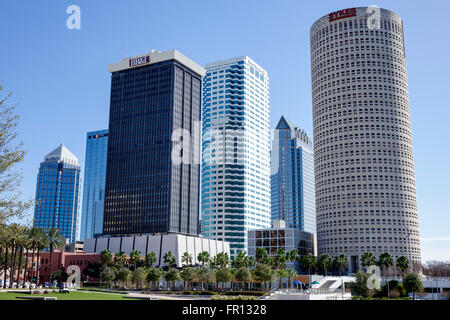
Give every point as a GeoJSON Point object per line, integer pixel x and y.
{"type": "Point", "coordinates": [61, 154]}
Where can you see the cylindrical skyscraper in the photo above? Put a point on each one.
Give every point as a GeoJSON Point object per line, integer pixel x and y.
{"type": "Point", "coordinates": [364, 167]}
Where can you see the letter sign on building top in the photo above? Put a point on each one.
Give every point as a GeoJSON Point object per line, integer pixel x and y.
{"type": "Point", "coordinates": [341, 14]}
{"type": "Point", "coordinates": [139, 60]}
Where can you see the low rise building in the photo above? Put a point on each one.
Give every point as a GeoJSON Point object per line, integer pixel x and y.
{"type": "Point", "coordinates": [279, 237]}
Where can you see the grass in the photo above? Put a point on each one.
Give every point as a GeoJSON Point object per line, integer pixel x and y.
{"type": "Point", "coordinates": [73, 295]}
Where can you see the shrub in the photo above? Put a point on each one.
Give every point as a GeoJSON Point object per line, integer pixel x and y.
{"type": "Point", "coordinates": [239, 297]}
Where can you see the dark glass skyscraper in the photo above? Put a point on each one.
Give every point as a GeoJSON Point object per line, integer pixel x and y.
{"type": "Point", "coordinates": [94, 184]}
{"type": "Point", "coordinates": [57, 193]}
{"type": "Point", "coordinates": [147, 192]}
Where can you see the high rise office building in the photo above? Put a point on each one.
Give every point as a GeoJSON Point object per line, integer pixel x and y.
{"type": "Point", "coordinates": [235, 151]}
{"type": "Point", "coordinates": [57, 193]}
{"type": "Point", "coordinates": [292, 178]}
{"type": "Point", "coordinates": [94, 184]}
{"type": "Point", "coordinates": [153, 96]}
{"type": "Point", "coordinates": [364, 167]}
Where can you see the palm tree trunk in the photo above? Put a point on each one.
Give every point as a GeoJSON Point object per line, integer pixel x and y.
{"type": "Point", "coordinates": [26, 268]}
{"type": "Point", "coordinates": [13, 267]}
{"type": "Point", "coordinates": [37, 267]}
{"type": "Point", "coordinates": [19, 267]}
{"type": "Point", "coordinates": [6, 267]}
{"type": "Point", "coordinates": [51, 264]}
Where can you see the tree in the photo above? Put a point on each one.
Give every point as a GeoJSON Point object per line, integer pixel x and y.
{"type": "Point", "coordinates": [138, 277]}
{"type": "Point", "coordinates": [221, 260]}
{"type": "Point", "coordinates": [260, 254]}
{"type": "Point", "coordinates": [188, 274]}
{"type": "Point", "coordinates": [281, 258]}
{"type": "Point", "coordinates": [223, 275]}
{"type": "Point", "coordinates": [11, 153]}
{"type": "Point", "coordinates": [59, 275]}
{"type": "Point", "coordinates": [205, 275]}
{"type": "Point", "coordinates": [341, 262]}
{"type": "Point", "coordinates": [412, 284]}
{"type": "Point", "coordinates": [172, 275]}
{"type": "Point", "coordinates": [360, 285]}
{"type": "Point", "coordinates": [326, 262]}
{"type": "Point", "coordinates": [154, 275]}
{"type": "Point", "coordinates": [240, 260]}
{"type": "Point", "coordinates": [403, 264]}
{"type": "Point", "coordinates": [55, 241]}
{"type": "Point", "coordinates": [290, 273]}
{"type": "Point", "coordinates": [108, 275]}
{"type": "Point", "coordinates": [123, 275]}
{"type": "Point", "coordinates": [106, 257]}
{"type": "Point", "coordinates": [385, 261]}
{"type": "Point", "coordinates": [169, 259]}
{"type": "Point", "coordinates": [120, 259]}
{"type": "Point", "coordinates": [309, 261]}
{"type": "Point", "coordinates": [264, 273]}
{"type": "Point", "coordinates": [135, 259]}
{"type": "Point", "coordinates": [281, 273]}
{"type": "Point", "coordinates": [41, 243]}
{"type": "Point", "coordinates": [368, 259]}
{"type": "Point", "coordinates": [186, 258]}
{"type": "Point", "coordinates": [150, 259]}
{"type": "Point", "coordinates": [243, 275]}
{"type": "Point", "coordinates": [203, 257]}
{"type": "Point", "coordinates": [93, 269]}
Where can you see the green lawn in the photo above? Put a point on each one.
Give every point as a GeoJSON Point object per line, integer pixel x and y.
{"type": "Point", "coordinates": [73, 295]}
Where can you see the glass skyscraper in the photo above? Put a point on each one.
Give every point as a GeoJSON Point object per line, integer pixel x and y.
{"type": "Point", "coordinates": [94, 184]}
{"type": "Point", "coordinates": [57, 193]}
{"type": "Point", "coordinates": [153, 98]}
{"type": "Point", "coordinates": [235, 151]}
{"type": "Point", "coordinates": [292, 179]}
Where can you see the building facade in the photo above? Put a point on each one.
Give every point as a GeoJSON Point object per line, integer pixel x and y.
{"type": "Point", "coordinates": [178, 244]}
{"type": "Point", "coordinates": [94, 184]}
{"type": "Point", "coordinates": [57, 193]}
{"type": "Point", "coordinates": [364, 167]}
{"type": "Point", "coordinates": [279, 237]}
{"type": "Point", "coordinates": [153, 98]}
{"type": "Point", "coordinates": [292, 179]}
{"type": "Point", "coordinates": [235, 181]}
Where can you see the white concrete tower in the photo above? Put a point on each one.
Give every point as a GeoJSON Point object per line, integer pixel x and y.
{"type": "Point", "coordinates": [364, 167]}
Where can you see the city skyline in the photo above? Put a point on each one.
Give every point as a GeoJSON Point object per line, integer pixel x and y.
{"type": "Point", "coordinates": [425, 181]}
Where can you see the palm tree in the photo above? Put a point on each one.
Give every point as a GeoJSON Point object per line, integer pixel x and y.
{"type": "Point", "coordinates": [22, 242]}
{"type": "Point", "coordinates": [106, 257]}
{"type": "Point", "coordinates": [205, 275]}
{"type": "Point", "coordinates": [120, 259]}
{"type": "Point", "coordinates": [325, 261]}
{"type": "Point", "coordinates": [203, 257]}
{"type": "Point", "coordinates": [41, 242]}
{"type": "Point", "coordinates": [240, 261]}
{"type": "Point", "coordinates": [385, 261]}
{"type": "Point", "coordinates": [172, 275]}
{"type": "Point", "coordinates": [341, 262]}
{"type": "Point", "coordinates": [309, 261]}
{"type": "Point", "coordinates": [403, 264]}
{"type": "Point", "coordinates": [293, 255]}
{"type": "Point", "coordinates": [221, 260]}
{"type": "Point", "coordinates": [368, 259]}
{"type": "Point", "coordinates": [281, 258]}
{"type": "Point", "coordinates": [169, 259]}
{"type": "Point", "coordinates": [150, 259]}
{"type": "Point", "coordinates": [135, 258]}
{"type": "Point", "coordinates": [186, 258]}
{"type": "Point", "coordinates": [260, 254]}
{"type": "Point", "coordinates": [281, 273]}
{"type": "Point", "coordinates": [55, 241]}
{"type": "Point", "coordinates": [264, 273]}
{"type": "Point", "coordinates": [5, 237]}
{"type": "Point", "coordinates": [290, 274]}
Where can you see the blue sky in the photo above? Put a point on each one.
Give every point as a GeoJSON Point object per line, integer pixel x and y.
{"type": "Point", "coordinates": [61, 84]}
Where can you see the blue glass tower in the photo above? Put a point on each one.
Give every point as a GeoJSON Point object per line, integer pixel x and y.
{"type": "Point", "coordinates": [57, 193]}
{"type": "Point", "coordinates": [94, 184]}
{"type": "Point", "coordinates": [292, 179]}
{"type": "Point", "coordinates": [235, 151]}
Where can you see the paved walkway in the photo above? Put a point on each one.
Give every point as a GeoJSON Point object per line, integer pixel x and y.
{"type": "Point", "coordinates": [168, 296]}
